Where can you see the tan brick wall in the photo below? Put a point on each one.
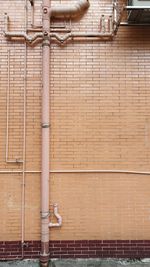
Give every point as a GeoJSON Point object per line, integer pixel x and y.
{"type": "Point", "coordinates": [100, 119]}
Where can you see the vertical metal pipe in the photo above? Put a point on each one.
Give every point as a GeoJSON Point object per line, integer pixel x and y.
{"type": "Point", "coordinates": [44, 257]}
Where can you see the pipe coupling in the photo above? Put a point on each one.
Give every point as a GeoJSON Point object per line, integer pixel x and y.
{"type": "Point", "coordinates": [44, 259]}
{"type": "Point", "coordinates": [45, 125]}
{"type": "Point", "coordinates": [45, 215]}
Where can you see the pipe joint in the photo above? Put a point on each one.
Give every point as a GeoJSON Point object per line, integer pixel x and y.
{"type": "Point", "coordinates": [45, 215]}
{"type": "Point", "coordinates": [45, 34]}
{"type": "Point", "coordinates": [45, 125]}
{"type": "Point", "coordinates": [70, 11]}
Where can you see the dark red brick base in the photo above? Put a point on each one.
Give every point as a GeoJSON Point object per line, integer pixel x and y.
{"type": "Point", "coordinates": [78, 249]}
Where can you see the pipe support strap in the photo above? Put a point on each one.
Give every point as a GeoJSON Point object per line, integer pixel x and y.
{"type": "Point", "coordinates": [45, 125]}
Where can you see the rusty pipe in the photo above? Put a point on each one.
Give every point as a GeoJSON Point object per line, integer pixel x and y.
{"type": "Point", "coordinates": [69, 11]}
{"type": "Point", "coordinates": [44, 255]}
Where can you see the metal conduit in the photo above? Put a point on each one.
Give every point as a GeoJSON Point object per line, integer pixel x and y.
{"type": "Point", "coordinates": [44, 256]}
{"type": "Point", "coordinates": [58, 37]}
{"type": "Point", "coordinates": [78, 171]}
{"type": "Point", "coordinates": [24, 142]}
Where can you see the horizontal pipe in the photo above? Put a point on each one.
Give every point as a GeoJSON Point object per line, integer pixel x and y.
{"type": "Point", "coordinates": [78, 171]}
{"type": "Point", "coordinates": [60, 38]}
{"type": "Point", "coordinates": [63, 30]}
{"type": "Point", "coordinates": [99, 171]}
{"type": "Point", "coordinates": [80, 35]}
{"type": "Point", "coordinates": [136, 7]}
{"type": "Point", "coordinates": [70, 10]}
{"type": "Point", "coordinates": [27, 37]}
{"type": "Point", "coordinates": [134, 24]}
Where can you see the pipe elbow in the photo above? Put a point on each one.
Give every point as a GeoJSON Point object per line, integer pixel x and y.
{"type": "Point", "coordinates": [69, 11]}
{"type": "Point", "coordinates": [57, 215]}
{"type": "Point", "coordinates": [82, 5]}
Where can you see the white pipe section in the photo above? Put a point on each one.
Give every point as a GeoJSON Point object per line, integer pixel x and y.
{"type": "Point", "coordinates": [57, 215]}
{"type": "Point", "coordinates": [24, 143]}
{"type": "Point", "coordinates": [73, 35]}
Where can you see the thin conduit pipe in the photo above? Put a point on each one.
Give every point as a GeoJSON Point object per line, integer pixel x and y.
{"type": "Point", "coordinates": [24, 143]}
{"type": "Point", "coordinates": [32, 14]}
{"type": "Point", "coordinates": [77, 171]}
{"type": "Point", "coordinates": [7, 117]}
{"type": "Point", "coordinates": [60, 38]}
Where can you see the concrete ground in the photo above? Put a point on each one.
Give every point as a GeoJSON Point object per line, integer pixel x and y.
{"type": "Point", "coordinates": [81, 263]}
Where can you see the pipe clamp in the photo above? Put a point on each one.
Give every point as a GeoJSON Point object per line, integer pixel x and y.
{"type": "Point", "coordinates": [45, 215]}
{"type": "Point", "coordinates": [45, 125]}
{"type": "Point", "coordinates": [46, 44]}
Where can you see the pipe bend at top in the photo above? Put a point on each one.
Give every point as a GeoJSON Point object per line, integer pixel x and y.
{"type": "Point", "coordinates": [69, 10]}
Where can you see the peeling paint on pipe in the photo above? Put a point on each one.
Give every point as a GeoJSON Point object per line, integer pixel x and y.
{"type": "Point", "coordinates": [69, 11]}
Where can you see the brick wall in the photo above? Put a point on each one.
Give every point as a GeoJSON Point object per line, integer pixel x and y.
{"type": "Point", "coordinates": [100, 119]}
{"type": "Point", "coordinates": [78, 249]}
